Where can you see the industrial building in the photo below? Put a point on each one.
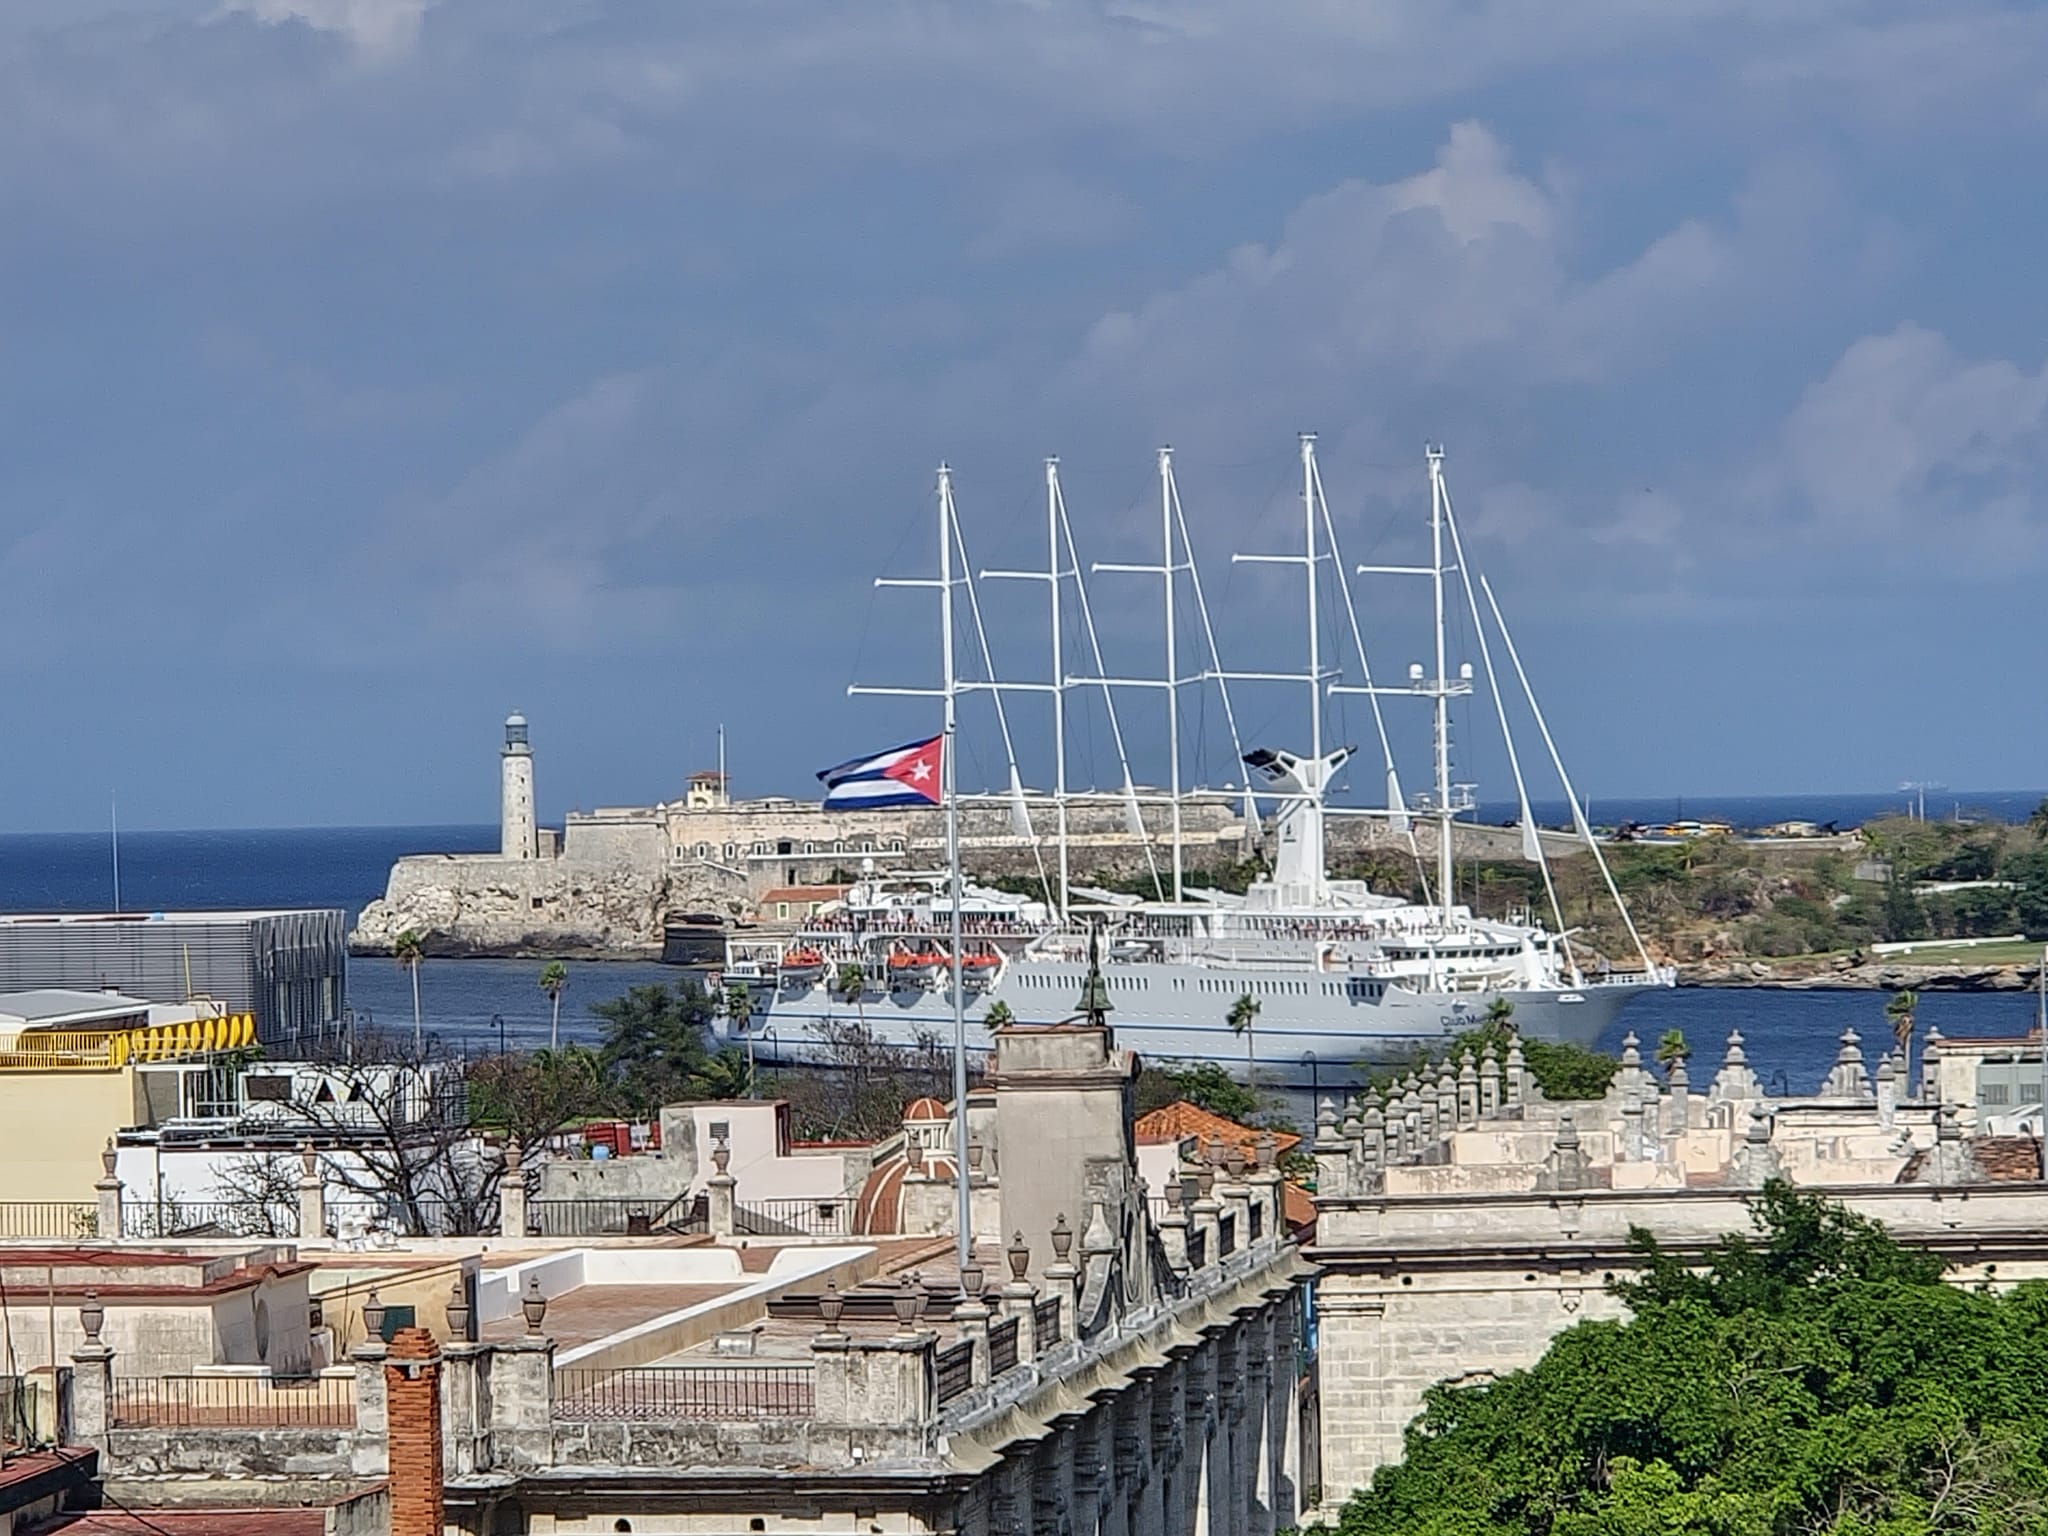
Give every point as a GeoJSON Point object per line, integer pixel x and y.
{"type": "Point", "coordinates": [286, 968]}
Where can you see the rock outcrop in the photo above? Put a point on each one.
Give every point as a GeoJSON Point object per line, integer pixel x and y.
{"type": "Point", "coordinates": [482, 906]}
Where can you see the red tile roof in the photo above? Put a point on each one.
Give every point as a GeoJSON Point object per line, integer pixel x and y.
{"type": "Point", "coordinates": [2002, 1159]}
{"type": "Point", "coordinates": [1180, 1120]}
{"type": "Point", "coordinates": [187, 1522]}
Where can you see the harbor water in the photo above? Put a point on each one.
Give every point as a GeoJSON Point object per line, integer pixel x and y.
{"type": "Point", "coordinates": [1790, 1036]}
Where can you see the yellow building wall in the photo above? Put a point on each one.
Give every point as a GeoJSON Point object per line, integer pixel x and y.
{"type": "Point", "coordinates": [53, 1125]}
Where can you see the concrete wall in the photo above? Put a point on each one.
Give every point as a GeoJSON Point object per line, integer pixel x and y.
{"type": "Point", "coordinates": [53, 1126]}
{"type": "Point", "coordinates": [173, 1338]}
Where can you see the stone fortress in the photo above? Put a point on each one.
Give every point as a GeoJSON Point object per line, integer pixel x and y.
{"type": "Point", "coordinates": [608, 882]}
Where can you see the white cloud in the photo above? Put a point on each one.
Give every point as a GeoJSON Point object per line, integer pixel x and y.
{"type": "Point", "coordinates": [1463, 269]}
{"type": "Point", "coordinates": [1908, 446]}
{"type": "Point", "coordinates": [377, 29]}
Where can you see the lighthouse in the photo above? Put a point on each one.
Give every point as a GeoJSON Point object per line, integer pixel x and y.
{"type": "Point", "coordinates": [518, 838]}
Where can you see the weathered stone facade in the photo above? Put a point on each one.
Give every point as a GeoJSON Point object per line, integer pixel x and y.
{"type": "Point", "coordinates": [1463, 1221]}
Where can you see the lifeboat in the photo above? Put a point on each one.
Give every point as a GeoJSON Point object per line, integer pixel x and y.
{"type": "Point", "coordinates": [914, 967]}
{"type": "Point", "coordinates": [802, 968]}
{"type": "Point", "coordinates": [978, 967]}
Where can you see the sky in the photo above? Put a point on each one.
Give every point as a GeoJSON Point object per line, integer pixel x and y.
{"type": "Point", "coordinates": [371, 368]}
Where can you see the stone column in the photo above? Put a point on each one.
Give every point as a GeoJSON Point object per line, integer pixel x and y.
{"type": "Point", "coordinates": [1332, 1153]}
{"type": "Point", "coordinates": [372, 1453]}
{"type": "Point", "coordinates": [465, 1406]}
{"type": "Point", "coordinates": [875, 1383]}
{"type": "Point", "coordinates": [1173, 1226]}
{"type": "Point", "coordinates": [724, 1218]}
{"type": "Point", "coordinates": [970, 1316]}
{"type": "Point", "coordinates": [92, 1383]}
{"type": "Point", "coordinates": [312, 1197]}
{"type": "Point", "coordinates": [521, 1401]}
{"type": "Point", "coordinates": [107, 1188]}
{"type": "Point", "coordinates": [412, 1393]}
{"type": "Point", "coordinates": [512, 1191]}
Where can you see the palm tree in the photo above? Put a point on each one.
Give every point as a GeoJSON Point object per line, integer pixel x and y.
{"type": "Point", "coordinates": [554, 976]}
{"type": "Point", "coordinates": [997, 1016]}
{"type": "Point", "coordinates": [1500, 1013]}
{"type": "Point", "coordinates": [406, 950]}
{"type": "Point", "coordinates": [1899, 1009]}
{"type": "Point", "coordinates": [1671, 1048]}
{"type": "Point", "coordinates": [851, 983]}
{"type": "Point", "coordinates": [738, 1004]}
{"type": "Point", "coordinates": [1243, 1013]}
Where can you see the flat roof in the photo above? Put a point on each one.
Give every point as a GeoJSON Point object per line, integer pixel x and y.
{"type": "Point", "coordinates": [142, 919]}
{"type": "Point", "coordinates": [48, 1006]}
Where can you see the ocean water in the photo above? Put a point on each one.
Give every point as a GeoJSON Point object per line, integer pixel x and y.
{"type": "Point", "coordinates": [468, 1002]}
{"type": "Point", "coordinates": [1744, 811]}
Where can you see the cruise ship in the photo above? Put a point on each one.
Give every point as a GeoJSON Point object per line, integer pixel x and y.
{"type": "Point", "coordinates": [1338, 973]}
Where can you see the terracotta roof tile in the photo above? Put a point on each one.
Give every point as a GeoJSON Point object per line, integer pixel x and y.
{"type": "Point", "coordinates": [187, 1522]}
{"type": "Point", "coordinates": [2003, 1160]}
{"type": "Point", "coordinates": [1180, 1120]}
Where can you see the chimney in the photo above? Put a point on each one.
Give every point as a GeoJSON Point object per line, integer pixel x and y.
{"type": "Point", "coordinates": [412, 1390]}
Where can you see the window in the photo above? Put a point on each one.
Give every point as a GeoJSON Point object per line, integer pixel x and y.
{"type": "Point", "coordinates": [782, 909]}
{"type": "Point", "coordinates": [703, 850]}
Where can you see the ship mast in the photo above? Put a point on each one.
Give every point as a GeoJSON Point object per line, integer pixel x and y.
{"type": "Point", "coordinates": [1440, 690]}
{"type": "Point", "coordinates": [948, 692]}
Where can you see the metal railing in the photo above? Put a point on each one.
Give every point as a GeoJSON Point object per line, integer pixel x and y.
{"type": "Point", "coordinates": [954, 1373]}
{"type": "Point", "coordinates": [1198, 1247]}
{"type": "Point", "coordinates": [611, 1216]}
{"type": "Point", "coordinates": [1226, 1234]}
{"type": "Point", "coordinates": [232, 1402]}
{"type": "Point", "coordinates": [1002, 1346]}
{"type": "Point", "coordinates": [67, 1219]}
{"type": "Point", "coordinates": [208, 1218]}
{"type": "Point", "coordinates": [46, 1050]}
{"type": "Point", "coordinates": [1045, 1322]}
{"type": "Point", "coordinates": [829, 1217]}
{"type": "Point", "coordinates": [655, 1392]}
{"type": "Point", "coordinates": [1258, 1220]}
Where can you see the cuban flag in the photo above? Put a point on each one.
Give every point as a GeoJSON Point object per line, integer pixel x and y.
{"type": "Point", "coordinates": [907, 775]}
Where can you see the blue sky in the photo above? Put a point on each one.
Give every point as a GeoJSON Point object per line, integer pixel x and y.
{"type": "Point", "coordinates": [370, 367]}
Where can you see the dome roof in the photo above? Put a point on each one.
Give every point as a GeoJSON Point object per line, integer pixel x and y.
{"type": "Point", "coordinates": [924, 1112]}
{"type": "Point", "coordinates": [878, 1211]}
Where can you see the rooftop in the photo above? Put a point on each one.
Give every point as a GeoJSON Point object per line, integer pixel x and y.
{"type": "Point", "coordinates": [144, 919]}
{"type": "Point", "coordinates": [54, 1008]}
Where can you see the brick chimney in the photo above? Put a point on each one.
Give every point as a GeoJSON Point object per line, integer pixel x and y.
{"type": "Point", "coordinates": [412, 1388]}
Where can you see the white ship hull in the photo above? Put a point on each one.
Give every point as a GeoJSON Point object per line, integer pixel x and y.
{"type": "Point", "coordinates": [1309, 1024]}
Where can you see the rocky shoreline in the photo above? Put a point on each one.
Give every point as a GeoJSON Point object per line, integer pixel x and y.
{"type": "Point", "coordinates": [1846, 974]}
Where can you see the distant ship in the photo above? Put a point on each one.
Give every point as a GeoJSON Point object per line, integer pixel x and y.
{"type": "Point", "coordinates": [1339, 973]}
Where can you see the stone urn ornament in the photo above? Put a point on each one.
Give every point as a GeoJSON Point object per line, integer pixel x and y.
{"type": "Point", "coordinates": [534, 1305]}
{"type": "Point", "coordinates": [91, 1316]}
{"type": "Point", "coordinates": [458, 1312]}
{"type": "Point", "coordinates": [1019, 1255]}
{"type": "Point", "coordinates": [905, 1303]}
{"type": "Point", "coordinates": [831, 1306]}
{"type": "Point", "coordinates": [373, 1318]}
{"type": "Point", "coordinates": [1062, 1239]}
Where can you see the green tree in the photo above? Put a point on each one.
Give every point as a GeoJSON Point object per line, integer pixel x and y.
{"type": "Point", "coordinates": [554, 976]}
{"type": "Point", "coordinates": [997, 1016]}
{"type": "Point", "coordinates": [1671, 1048]}
{"type": "Point", "coordinates": [1903, 916]}
{"type": "Point", "coordinates": [1205, 1085]}
{"type": "Point", "coordinates": [726, 1075]}
{"type": "Point", "coordinates": [533, 1096]}
{"type": "Point", "coordinates": [655, 1046]}
{"type": "Point", "coordinates": [2037, 823]}
{"type": "Point", "coordinates": [737, 1004]}
{"type": "Point", "coordinates": [407, 950]}
{"type": "Point", "coordinates": [1244, 1013]}
{"type": "Point", "coordinates": [1500, 1011]}
{"type": "Point", "coordinates": [1816, 1377]}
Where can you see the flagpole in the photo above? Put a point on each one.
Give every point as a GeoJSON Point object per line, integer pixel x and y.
{"type": "Point", "coordinates": [964, 1199]}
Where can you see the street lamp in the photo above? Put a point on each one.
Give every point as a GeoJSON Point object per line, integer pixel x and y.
{"type": "Point", "coordinates": [1308, 1059]}
{"type": "Point", "coordinates": [499, 1020]}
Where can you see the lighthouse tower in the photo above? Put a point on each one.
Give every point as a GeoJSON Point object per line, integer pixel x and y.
{"type": "Point", "coordinates": [516, 815]}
